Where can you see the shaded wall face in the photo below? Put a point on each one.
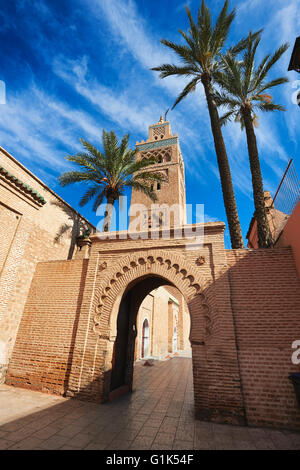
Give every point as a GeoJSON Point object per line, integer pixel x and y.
{"type": "Point", "coordinates": [30, 232]}
{"type": "Point", "coordinates": [43, 353]}
{"type": "Point", "coordinates": [290, 236]}
{"type": "Point", "coordinates": [265, 296]}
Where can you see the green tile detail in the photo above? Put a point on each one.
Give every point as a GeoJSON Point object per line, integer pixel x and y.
{"type": "Point", "coordinates": [22, 185]}
{"type": "Point", "coordinates": [159, 125]}
{"type": "Point", "coordinates": [158, 144]}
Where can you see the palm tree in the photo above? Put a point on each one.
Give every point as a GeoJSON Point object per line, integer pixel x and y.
{"type": "Point", "coordinates": [243, 90]}
{"type": "Point", "coordinates": [108, 174]}
{"type": "Point", "coordinates": [201, 59]}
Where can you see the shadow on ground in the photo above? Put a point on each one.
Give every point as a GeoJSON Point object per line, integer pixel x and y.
{"type": "Point", "coordinates": [157, 415]}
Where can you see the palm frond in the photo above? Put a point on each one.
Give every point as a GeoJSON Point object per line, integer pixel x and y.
{"type": "Point", "coordinates": [189, 40]}
{"type": "Point", "coordinates": [193, 26]}
{"type": "Point", "coordinates": [249, 62]}
{"type": "Point", "coordinates": [183, 51]}
{"type": "Point", "coordinates": [124, 146]}
{"type": "Point", "coordinates": [242, 44]}
{"type": "Point", "coordinates": [70, 177]}
{"type": "Point", "coordinates": [137, 186]}
{"type": "Point", "coordinates": [271, 84]}
{"type": "Point", "coordinates": [169, 69]}
{"type": "Point", "coordinates": [110, 172]}
{"type": "Point", "coordinates": [225, 99]}
{"type": "Point", "coordinates": [191, 86]}
{"type": "Point", "coordinates": [267, 107]}
{"type": "Point", "coordinates": [226, 117]}
{"type": "Point", "coordinates": [150, 176]}
{"type": "Point", "coordinates": [272, 60]}
{"type": "Point", "coordinates": [222, 27]}
{"type": "Point", "coordinates": [89, 194]}
{"type": "Point", "coordinates": [98, 201]}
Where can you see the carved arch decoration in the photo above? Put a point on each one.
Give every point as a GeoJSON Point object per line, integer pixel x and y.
{"type": "Point", "coordinates": [163, 155]}
{"type": "Point", "coordinates": [172, 267]}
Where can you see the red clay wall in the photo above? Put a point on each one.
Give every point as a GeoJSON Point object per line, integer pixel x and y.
{"type": "Point", "coordinates": [290, 235]}
{"type": "Point", "coordinates": [265, 293]}
{"type": "Point", "coordinates": [256, 305]}
{"type": "Point", "coordinates": [42, 355]}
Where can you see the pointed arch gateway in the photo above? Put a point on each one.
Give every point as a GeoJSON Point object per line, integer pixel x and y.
{"type": "Point", "coordinates": [139, 274]}
{"type": "Point", "coordinates": [111, 276]}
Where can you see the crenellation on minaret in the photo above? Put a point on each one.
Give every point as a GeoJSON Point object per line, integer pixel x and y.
{"type": "Point", "coordinates": [159, 131]}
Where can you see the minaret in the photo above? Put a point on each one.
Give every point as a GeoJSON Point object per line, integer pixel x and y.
{"type": "Point", "coordinates": [165, 146]}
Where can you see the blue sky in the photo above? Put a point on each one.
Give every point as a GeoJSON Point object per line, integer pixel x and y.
{"type": "Point", "coordinates": [74, 68]}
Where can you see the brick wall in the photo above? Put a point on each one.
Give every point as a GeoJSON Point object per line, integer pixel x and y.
{"type": "Point", "coordinates": [290, 235]}
{"type": "Point", "coordinates": [30, 232]}
{"type": "Point", "coordinates": [265, 295]}
{"type": "Point", "coordinates": [42, 355]}
{"type": "Point", "coordinates": [243, 323]}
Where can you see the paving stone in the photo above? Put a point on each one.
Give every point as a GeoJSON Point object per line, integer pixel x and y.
{"type": "Point", "coordinates": [140, 443]}
{"type": "Point", "coordinates": [70, 430]}
{"type": "Point", "coordinates": [147, 419]}
{"type": "Point", "coordinates": [243, 445]}
{"type": "Point", "coordinates": [96, 446]}
{"type": "Point", "coordinates": [165, 439]}
{"type": "Point", "coordinates": [157, 446]}
{"type": "Point", "coordinates": [94, 429]}
{"type": "Point", "coordinates": [264, 444]}
{"type": "Point", "coordinates": [54, 442]}
{"type": "Point", "coordinates": [30, 443]}
{"type": "Point", "coordinates": [118, 444]}
{"type": "Point", "coordinates": [46, 432]}
{"type": "Point", "coordinates": [105, 437]}
{"type": "Point", "coordinates": [81, 440]}
{"type": "Point", "coordinates": [4, 444]}
{"type": "Point", "coordinates": [67, 447]}
{"type": "Point", "coordinates": [204, 445]}
{"type": "Point", "coordinates": [128, 434]}
{"type": "Point", "coordinates": [182, 445]}
{"type": "Point", "coordinates": [148, 431]}
{"type": "Point", "coordinates": [185, 434]}
{"type": "Point", "coordinates": [20, 434]}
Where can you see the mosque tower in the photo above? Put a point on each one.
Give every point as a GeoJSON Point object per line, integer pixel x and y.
{"type": "Point", "coordinates": [165, 146]}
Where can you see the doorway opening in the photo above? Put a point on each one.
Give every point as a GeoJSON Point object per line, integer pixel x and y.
{"type": "Point", "coordinates": [153, 324]}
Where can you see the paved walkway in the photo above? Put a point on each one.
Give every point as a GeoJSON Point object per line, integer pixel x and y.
{"type": "Point", "coordinates": [158, 415]}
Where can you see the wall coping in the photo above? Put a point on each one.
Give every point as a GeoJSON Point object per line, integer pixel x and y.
{"type": "Point", "coordinates": [125, 234]}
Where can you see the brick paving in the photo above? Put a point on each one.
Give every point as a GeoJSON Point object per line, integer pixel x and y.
{"type": "Point", "coordinates": [157, 415]}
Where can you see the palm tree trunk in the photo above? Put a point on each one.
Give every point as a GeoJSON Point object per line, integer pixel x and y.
{"type": "Point", "coordinates": [224, 169]}
{"type": "Point", "coordinates": [263, 229]}
{"type": "Point", "coordinates": [108, 213]}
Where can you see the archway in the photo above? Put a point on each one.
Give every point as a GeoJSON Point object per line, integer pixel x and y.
{"type": "Point", "coordinates": [212, 333]}
{"type": "Point", "coordinates": [127, 330]}
{"type": "Point", "coordinates": [148, 271]}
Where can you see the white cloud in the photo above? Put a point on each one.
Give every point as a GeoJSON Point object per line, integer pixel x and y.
{"type": "Point", "coordinates": [134, 109]}
{"type": "Point", "coordinates": [128, 26]}
{"type": "Point", "coordinates": [35, 125]}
